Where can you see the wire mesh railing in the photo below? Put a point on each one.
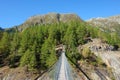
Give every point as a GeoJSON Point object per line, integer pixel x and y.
{"type": "Point", "coordinates": [54, 71]}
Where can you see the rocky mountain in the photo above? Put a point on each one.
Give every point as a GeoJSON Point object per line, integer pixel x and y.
{"type": "Point", "coordinates": [48, 19]}
{"type": "Point", "coordinates": [109, 24]}
{"type": "Point", "coordinates": [101, 63]}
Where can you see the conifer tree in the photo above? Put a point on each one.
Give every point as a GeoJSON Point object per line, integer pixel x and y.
{"type": "Point", "coordinates": [28, 59]}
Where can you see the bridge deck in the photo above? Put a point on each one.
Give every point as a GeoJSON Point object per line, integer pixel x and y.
{"type": "Point", "coordinates": [62, 69]}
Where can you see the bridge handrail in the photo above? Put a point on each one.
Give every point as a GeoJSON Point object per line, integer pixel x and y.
{"type": "Point", "coordinates": [54, 69]}
{"type": "Point", "coordinates": [78, 67]}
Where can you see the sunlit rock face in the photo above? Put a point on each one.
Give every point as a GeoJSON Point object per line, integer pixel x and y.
{"type": "Point", "coordinates": [112, 59]}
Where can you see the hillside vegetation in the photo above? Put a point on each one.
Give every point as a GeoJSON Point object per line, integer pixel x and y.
{"type": "Point", "coordinates": [34, 47]}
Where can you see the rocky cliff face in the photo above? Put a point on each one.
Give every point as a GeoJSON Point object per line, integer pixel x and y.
{"type": "Point", "coordinates": [110, 57]}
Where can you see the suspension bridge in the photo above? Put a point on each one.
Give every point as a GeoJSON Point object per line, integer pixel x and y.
{"type": "Point", "coordinates": [62, 70]}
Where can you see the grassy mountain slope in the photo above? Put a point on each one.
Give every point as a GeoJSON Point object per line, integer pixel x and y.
{"type": "Point", "coordinates": [110, 24]}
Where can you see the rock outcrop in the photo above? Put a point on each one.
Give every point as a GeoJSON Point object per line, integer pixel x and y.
{"type": "Point", "coordinates": [110, 57]}
{"type": "Point", "coordinates": [7, 73]}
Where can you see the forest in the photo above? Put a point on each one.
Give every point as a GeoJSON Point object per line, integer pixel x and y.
{"type": "Point", "coordinates": [34, 47]}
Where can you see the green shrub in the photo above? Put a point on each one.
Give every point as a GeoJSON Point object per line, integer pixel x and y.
{"type": "Point", "coordinates": [86, 53]}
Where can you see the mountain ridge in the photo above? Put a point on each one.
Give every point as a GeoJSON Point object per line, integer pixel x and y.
{"type": "Point", "coordinates": [48, 19]}
{"type": "Point", "coordinates": [110, 24]}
